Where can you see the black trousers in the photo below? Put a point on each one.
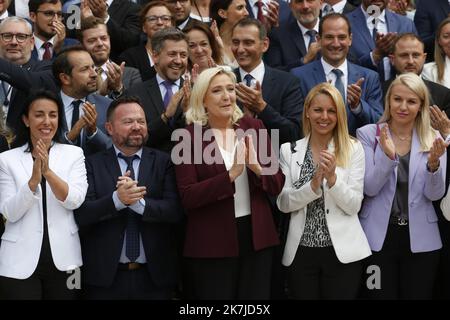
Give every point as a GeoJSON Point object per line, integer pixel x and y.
{"type": "Point", "coordinates": [404, 275]}
{"type": "Point", "coordinates": [46, 283]}
{"type": "Point", "coordinates": [129, 285]}
{"type": "Point", "coordinates": [316, 273]}
{"type": "Point", "coordinates": [246, 277]}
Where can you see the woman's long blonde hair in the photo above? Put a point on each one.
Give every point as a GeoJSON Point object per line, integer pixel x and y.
{"type": "Point", "coordinates": [197, 112]}
{"type": "Point", "coordinates": [439, 54]}
{"type": "Point", "coordinates": [422, 123]}
{"type": "Point", "coordinates": [342, 139]}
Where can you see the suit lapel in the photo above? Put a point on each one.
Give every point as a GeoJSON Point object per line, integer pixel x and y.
{"type": "Point", "coordinates": [319, 73]}
{"type": "Point", "coordinates": [298, 157]}
{"type": "Point", "coordinates": [361, 22]}
{"type": "Point", "coordinates": [267, 84]}
{"type": "Point", "coordinates": [296, 36]}
{"type": "Point", "coordinates": [155, 96]}
{"type": "Point", "coordinates": [353, 74]}
{"type": "Point", "coordinates": [414, 159]}
{"type": "Point", "coordinates": [391, 22]}
{"type": "Point", "coordinates": [146, 166]}
{"type": "Point", "coordinates": [27, 160]}
{"type": "Point", "coordinates": [112, 164]}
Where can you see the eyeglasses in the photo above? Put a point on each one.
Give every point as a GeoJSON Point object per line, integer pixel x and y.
{"type": "Point", "coordinates": [50, 14]}
{"type": "Point", "coordinates": [20, 37]}
{"type": "Point", "coordinates": [154, 19]}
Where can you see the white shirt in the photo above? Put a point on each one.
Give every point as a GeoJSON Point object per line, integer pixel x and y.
{"type": "Point", "coordinates": [4, 15]}
{"type": "Point", "coordinates": [242, 194]}
{"type": "Point", "coordinates": [21, 7]}
{"type": "Point", "coordinates": [306, 37]}
{"type": "Point", "coordinates": [138, 207]}
{"type": "Point", "coordinates": [381, 25]}
{"type": "Point", "coordinates": [38, 43]}
{"type": "Point", "coordinates": [338, 7]}
{"type": "Point", "coordinates": [162, 88]}
{"type": "Point", "coordinates": [257, 73]}
{"type": "Point", "coordinates": [430, 73]}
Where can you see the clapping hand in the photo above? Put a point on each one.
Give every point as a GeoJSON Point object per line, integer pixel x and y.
{"type": "Point", "coordinates": [386, 142]}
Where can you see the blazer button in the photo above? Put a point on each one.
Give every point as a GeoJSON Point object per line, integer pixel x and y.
{"type": "Point", "coordinates": [328, 211]}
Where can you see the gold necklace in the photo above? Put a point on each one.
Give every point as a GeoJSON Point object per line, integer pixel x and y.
{"type": "Point", "coordinates": [400, 138]}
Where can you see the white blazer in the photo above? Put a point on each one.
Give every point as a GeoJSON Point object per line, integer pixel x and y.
{"type": "Point", "coordinates": [21, 243]}
{"type": "Point", "coordinates": [342, 203]}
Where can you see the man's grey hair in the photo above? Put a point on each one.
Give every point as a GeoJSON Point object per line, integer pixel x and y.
{"type": "Point", "coordinates": [16, 19]}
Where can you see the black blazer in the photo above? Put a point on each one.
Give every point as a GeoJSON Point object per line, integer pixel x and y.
{"type": "Point", "coordinates": [281, 90]}
{"type": "Point", "coordinates": [159, 133]}
{"type": "Point", "coordinates": [137, 57]}
{"type": "Point", "coordinates": [123, 27]}
{"type": "Point", "coordinates": [102, 227]}
{"type": "Point", "coordinates": [439, 95]}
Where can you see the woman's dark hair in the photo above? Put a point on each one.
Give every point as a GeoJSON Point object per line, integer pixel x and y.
{"type": "Point", "coordinates": [214, 8]}
{"type": "Point", "coordinates": [22, 133]}
{"type": "Point", "coordinates": [216, 51]}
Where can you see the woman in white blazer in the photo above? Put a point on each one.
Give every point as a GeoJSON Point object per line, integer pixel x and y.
{"type": "Point", "coordinates": [41, 183]}
{"type": "Point", "coordinates": [323, 192]}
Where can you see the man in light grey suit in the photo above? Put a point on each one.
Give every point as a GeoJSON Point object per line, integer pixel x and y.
{"type": "Point", "coordinates": [84, 110]}
{"type": "Point", "coordinates": [112, 78]}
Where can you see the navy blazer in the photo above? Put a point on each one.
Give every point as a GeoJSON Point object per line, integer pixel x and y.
{"type": "Point", "coordinates": [427, 18]}
{"type": "Point", "coordinates": [287, 47]}
{"type": "Point", "coordinates": [281, 91]}
{"type": "Point", "coordinates": [371, 96]}
{"type": "Point", "coordinates": [101, 141]}
{"type": "Point", "coordinates": [362, 41]}
{"type": "Point", "coordinates": [102, 227]}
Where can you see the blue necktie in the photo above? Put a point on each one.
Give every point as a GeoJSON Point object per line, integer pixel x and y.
{"type": "Point", "coordinates": [339, 84]}
{"type": "Point", "coordinates": [132, 246]}
{"type": "Point", "coordinates": [168, 85]}
{"type": "Point", "coordinates": [248, 80]}
{"type": "Point", "coordinates": [312, 36]}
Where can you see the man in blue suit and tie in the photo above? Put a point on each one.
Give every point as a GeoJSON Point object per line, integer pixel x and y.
{"type": "Point", "coordinates": [375, 29]}
{"type": "Point", "coordinates": [359, 87]}
{"type": "Point", "coordinates": [294, 43]}
{"type": "Point", "coordinates": [126, 220]}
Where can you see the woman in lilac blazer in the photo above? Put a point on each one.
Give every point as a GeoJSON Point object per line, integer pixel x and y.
{"type": "Point", "coordinates": [405, 172]}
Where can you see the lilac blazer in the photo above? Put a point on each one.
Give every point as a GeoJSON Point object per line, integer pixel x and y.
{"type": "Point", "coordinates": [379, 189]}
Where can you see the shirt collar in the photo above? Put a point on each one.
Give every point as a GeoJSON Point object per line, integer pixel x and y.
{"type": "Point", "coordinates": [67, 100]}
{"type": "Point", "coordinates": [304, 29]}
{"type": "Point", "coordinates": [338, 7]}
{"type": "Point", "coordinates": [4, 15]}
{"type": "Point", "coordinates": [38, 43]}
{"type": "Point", "coordinates": [257, 73]}
{"type": "Point", "coordinates": [328, 68]}
{"type": "Point", "coordinates": [381, 17]}
{"type": "Point", "coordinates": [160, 80]}
{"type": "Point", "coordinates": [108, 2]}
{"type": "Point", "coordinates": [138, 153]}
{"type": "Point", "coordinates": [182, 25]}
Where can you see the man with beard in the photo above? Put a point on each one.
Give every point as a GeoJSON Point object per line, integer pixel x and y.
{"type": "Point", "coordinates": [84, 111]}
{"type": "Point", "coordinates": [126, 220]}
{"type": "Point", "coordinates": [375, 29]}
{"type": "Point", "coordinates": [112, 79]}
{"type": "Point", "coordinates": [170, 55]}
{"type": "Point", "coordinates": [181, 10]}
{"type": "Point", "coordinates": [49, 29]}
{"type": "Point", "coordinates": [294, 43]}
{"type": "Point", "coordinates": [360, 87]}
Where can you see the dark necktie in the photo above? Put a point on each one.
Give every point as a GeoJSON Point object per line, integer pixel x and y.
{"type": "Point", "coordinates": [76, 111]}
{"type": "Point", "coordinates": [312, 36]}
{"type": "Point", "coordinates": [47, 52]}
{"type": "Point", "coordinates": [327, 10]}
{"type": "Point", "coordinates": [168, 85]}
{"type": "Point", "coordinates": [260, 12]}
{"type": "Point", "coordinates": [132, 242]}
{"type": "Point", "coordinates": [374, 31]}
{"type": "Point", "coordinates": [248, 80]}
{"type": "Point", "coordinates": [339, 84]}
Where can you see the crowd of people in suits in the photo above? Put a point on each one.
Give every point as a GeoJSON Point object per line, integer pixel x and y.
{"type": "Point", "coordinates": [225, 149]}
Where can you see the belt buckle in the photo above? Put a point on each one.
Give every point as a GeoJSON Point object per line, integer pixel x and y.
{"type": "Point", "coordinates": [133, 266]}
{"type": "Point", "coordinates": [402, 222]}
